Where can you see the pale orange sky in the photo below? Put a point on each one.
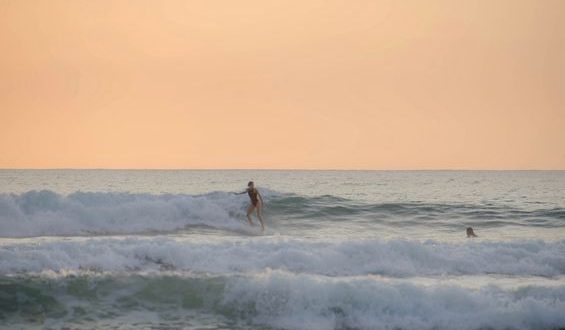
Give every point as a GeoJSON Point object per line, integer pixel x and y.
{"type": "Point", "coordinates": [282, 84]}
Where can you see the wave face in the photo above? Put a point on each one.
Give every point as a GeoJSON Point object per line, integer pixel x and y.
{"type": "Point", "coordinates": [46, 213]}
{"type": "Point", "coordinates": [279, 300]}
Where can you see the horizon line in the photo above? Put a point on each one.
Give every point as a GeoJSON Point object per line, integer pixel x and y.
{"type": "Point", "coordinates": [275, 169]}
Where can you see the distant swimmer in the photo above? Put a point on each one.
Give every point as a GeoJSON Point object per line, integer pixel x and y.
{"type": "Point", "coordinates": [470, 232]}
{"type": "Point", "coordinates": [256, 203]}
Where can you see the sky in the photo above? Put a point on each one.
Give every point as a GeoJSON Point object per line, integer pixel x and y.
{"type": "Point", "coordinates": [282, 84]}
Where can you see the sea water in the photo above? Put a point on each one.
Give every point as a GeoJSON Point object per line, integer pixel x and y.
{"type": "Point", "coordinates": [105, 249]}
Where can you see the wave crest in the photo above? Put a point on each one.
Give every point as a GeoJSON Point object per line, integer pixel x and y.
{"type": "Point", "coordinates": [38, 213]}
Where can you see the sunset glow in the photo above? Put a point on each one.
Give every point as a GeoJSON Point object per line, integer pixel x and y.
{"type": "Point", "coordinates": [282, 84]}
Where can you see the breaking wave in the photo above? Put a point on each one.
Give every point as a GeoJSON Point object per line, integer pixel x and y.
{"type": "Point", "coordinates": [41, 213]}
{"type": "Point", "coordinates": [396, 258]}
{"type": "Point", "coordinates": [280, 300]}
{"type": "Point", "coordinates": [44, 213]}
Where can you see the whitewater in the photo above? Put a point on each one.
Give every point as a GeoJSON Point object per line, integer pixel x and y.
{"type": "Point", "coordinates": [146, 249]}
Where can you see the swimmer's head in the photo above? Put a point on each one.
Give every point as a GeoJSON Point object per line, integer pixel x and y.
{"type": "Point", "coordinates": [470, 232]}
{"type": "Point", "coordinates": [250, 184]}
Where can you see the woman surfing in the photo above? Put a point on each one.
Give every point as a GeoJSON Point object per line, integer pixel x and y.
{"type": "Point", "coordinates": [256, 204]}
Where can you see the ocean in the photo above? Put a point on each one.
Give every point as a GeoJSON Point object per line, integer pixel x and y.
{"type": "Point", "coordinates": [171, 249]}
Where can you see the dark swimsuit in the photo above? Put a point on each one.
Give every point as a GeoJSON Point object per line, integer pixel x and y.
{"type": "Point", "coordinates": [253, 196]}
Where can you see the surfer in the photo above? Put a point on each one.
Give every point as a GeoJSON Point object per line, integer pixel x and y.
{"type": "Point", "coordinates": [470, 232]}
{"type": "Point", "coordinates": [256, 203]}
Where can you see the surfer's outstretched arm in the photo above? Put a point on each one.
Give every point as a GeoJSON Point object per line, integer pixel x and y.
{"type": "Point", "coordinates": [240, 193]}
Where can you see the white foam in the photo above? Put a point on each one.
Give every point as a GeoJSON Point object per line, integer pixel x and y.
{"type": "Point", "coordinates": [38, 213]}
{"type": "Point", "coordinates": [284, 300]}
{"type": "Point", "coordinates": [290, 301]}
{"type": "Point", "coordinates": [209, 254]}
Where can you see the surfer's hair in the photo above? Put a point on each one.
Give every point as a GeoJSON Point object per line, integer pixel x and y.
{"type": "Point", "coordinates": [249, 183]}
